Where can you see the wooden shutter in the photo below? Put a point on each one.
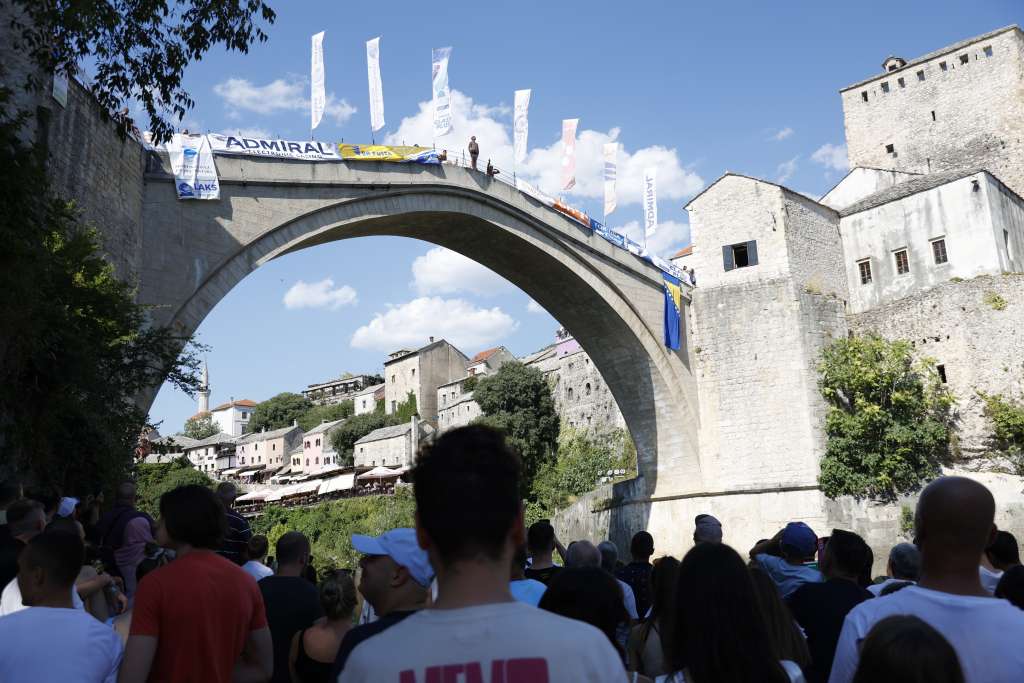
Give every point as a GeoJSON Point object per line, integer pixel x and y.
{"type": "Point", "coordinates": [727, 261]}
{"type": "Point", "coordinates": [752, 253]}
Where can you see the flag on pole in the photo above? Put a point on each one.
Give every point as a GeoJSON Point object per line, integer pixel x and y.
{"type": "Point", "coordinates": [569, 153]}
{"type": "Point", "coordinates": [673, 308]}
{"type": "Point", "coordinates": [520, 124]}
{"type": "Point", "coordinates": [611, 152]}
{"type": "Point", "coordinates": [442, 95]}
{"type": "Point", "coordinates": [650, 202]}
{"type": "Point", "coordinates": [376, 87]}
{"type": "Point", "coordinates": [317, 95]}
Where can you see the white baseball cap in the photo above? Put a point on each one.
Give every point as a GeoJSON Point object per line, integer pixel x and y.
{"type": "Point", "coordinates": [401, 546]}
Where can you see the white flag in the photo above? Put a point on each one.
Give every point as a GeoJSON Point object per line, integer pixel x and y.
{"type": "Point", "coordinates": [520, 124]}
{"type": "Point", "coordinates": [442, 95]}
{"type": "Point", "coordinates": [195, 175]}
{"type": "Point", "coordinates": [569, 153]}
{"type": "Point", "coordinates": [376, 88]}
{"type": "Point", "coordinates": [611, 169]}
{"type": "Point", "coordinates": [317, 95]}
{"type": "Point", "coordinates": [650, 201]}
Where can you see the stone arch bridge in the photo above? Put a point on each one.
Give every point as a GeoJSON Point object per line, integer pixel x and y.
{"type": "Point", "coordinates": [196, 251]}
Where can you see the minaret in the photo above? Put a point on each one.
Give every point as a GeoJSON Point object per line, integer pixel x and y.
{"type": "Point", "coordinates": [204, 391]}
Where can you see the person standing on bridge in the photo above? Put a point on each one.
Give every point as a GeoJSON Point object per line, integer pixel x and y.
{"type": "Point", "coordinates": [474, 151]}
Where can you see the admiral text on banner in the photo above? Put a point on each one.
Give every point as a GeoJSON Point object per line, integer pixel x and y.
{"type": "Point", "coordinates": [376, 88]}
{"type": "Point", "coordinates": [650, 202]}
{"type": "Point", "coordinates": [442, 95]}
{"type": "Point", "coordinates": [611, 151]}
{"type": "Point", "coordinates": [520, 124]}
{"type": "Point", "coordinates": [195, 176]}
{"type": "Point", "coordinates": [317, 95]}
{"type": "Point", "coordinates": [569, 153]}
{"type": "Point", "coordinates": [306, 150]}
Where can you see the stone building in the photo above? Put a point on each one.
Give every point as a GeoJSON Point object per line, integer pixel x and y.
{"type": "Point", "coordinates": [421, 372]}
{"type": "Point", "coordinates": [345, 388]}
{"type": "Point", "coordinates": [582, 398]}
{"type": "Point", "coordinates": [233, 417]}
{"type": "Point", "coordinates": [270, 449]}
{"type": "Point", "coordinates": [391, 446]}
{"type": "Point", "coordinates": [204, 454]}
{"type": "Point", "coordinates": [316, 449]}
{"type": "Point", "coordinates": [366, 400]}
{"type": "Point", "coordinates": [455, 404]}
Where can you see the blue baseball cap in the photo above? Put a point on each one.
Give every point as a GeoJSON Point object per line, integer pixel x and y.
{"type": "Point", "coordinates": [799, 539]}
{"type": "Point", "coordinates": [401, 546]}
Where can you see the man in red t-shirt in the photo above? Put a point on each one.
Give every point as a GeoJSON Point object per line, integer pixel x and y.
{"type": "Point", "coordinates": [201, 617]}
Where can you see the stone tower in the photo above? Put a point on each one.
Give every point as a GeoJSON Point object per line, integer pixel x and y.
{"type": "Point", "coordinates": [204, 390]}
{"type": "Point", "coordinates": [956, 108]}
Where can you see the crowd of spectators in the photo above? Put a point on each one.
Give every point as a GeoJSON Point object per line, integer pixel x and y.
{"type": "Point", "coordinates": [474, 594]}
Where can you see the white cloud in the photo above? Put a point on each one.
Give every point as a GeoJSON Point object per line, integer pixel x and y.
{"type": "Point", "coordinates": [443, 271]}
{"type": "Point", "coordinates": [280, 95]}
{"type": "Point", "coordinates": [321, 294]}
{"type": "Point", "coordinates": [248, 132]}
{"type": "Point", "coordinates": [411, 325]}
{"type": "Point", "coordinates": [782, 134]}
{"type": "Point", "coordinates": [786, 170]}
{"type": "Point", "coordinates": [534, 307]}
{"type": "Point", "coordinates": [670, 237]}
{"type": "Point", "coordinates": [543, 166]}
{"type": "Point", "coordinates": [832, 157]}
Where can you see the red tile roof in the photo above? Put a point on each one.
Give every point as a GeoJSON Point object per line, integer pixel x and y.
{"type": "Point", "coordinates": [244, 403]}
{"type": "Point", "coordinates": [484, 355]}
{"type": "Point", "coordinates": [685, 251]}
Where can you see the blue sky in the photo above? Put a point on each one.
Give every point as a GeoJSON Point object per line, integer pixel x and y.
{"type": "Point", "coordinates": [695, 89]}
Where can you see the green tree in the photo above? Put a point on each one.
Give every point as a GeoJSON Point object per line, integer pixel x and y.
{"type": "Point", "coordinates": [517, 401]}
{"type": "Point", "coordinates": [279, 411]}
{"type": "Point", "coordinates": [153, 481]}
{"type": "Point", "coordinates": [344, 436]}
{"type": "Point", "coordinates": [888, 421]}
{"type": "Point", "coordinates": [1007, 416]}
{"type": "Point", "coordinates": [138, 50]}
{"type": "Point", "coordinates": [582, 459]}
{"type": "Point", "coordinates": [200, 426]}
{"type": "Point", "coordinates": [327, 413]}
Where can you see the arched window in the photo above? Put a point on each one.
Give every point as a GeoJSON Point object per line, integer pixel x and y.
{"type": "Point", "coordinates": [318, 442]}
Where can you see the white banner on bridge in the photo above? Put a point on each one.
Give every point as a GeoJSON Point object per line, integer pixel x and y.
{"type": "Point", "coordinates": [376, 87]}
{"type": "Point", "coordinates": [306, 150]}
{"type": "Point", "coordinates": [317, 95]}
{"type": "Point", "coordinates": [569, 153]}
{"type": "Point", "coordinates": [650, 202]}
{"type": "Point", "coordinates": [611, 164]}
{"type": "Point", "coordinates": [195, 175]}
{"type": "Point", "coordinates": [442, 95]}
{"type": "Point", "coordinates": [521, 124]}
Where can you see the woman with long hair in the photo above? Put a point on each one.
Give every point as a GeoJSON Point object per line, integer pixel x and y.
{"type": "Point", "coordinates": [643, 650]}
{"type": "Point", "coordinates": [314, 649]}
{"type": "Point", "coordinates": [788, 643]}
{"type": "Point", "coordinates": [718, 632]}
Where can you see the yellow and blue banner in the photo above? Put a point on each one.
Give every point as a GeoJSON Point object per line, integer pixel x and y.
{"type": "Point", "coordinates": [395, 153]}
{"type": "Point", "coordinates": [673, 311]}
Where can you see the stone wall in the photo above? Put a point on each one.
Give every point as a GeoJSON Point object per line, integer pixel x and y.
{"type": "Point", "coordinates": [977, 108]}
{"type": "Point", "coordinates": [814, 247]}
{"type": "Point", "coordinates": [979, 347]}
{"type": "Point", "coordinates": [582, 398]}
{"type": "Point", "coordinates": [392, 452]}
{"type": "Point", "coordinates": [401, 377]}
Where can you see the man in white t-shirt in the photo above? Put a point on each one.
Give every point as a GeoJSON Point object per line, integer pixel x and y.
{"type": "Point", "coordinates": [50, 640]}
{"type": "Point", "coordinates": [954, 524]}
{"type": "Point", "coordinates": [256, 551]}
{"type": "Point", "coordinates": [469, 519]}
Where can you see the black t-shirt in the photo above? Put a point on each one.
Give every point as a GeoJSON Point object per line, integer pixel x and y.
{"type": "Point", "coordinates": [236, 540]}
{"type": "Point", "coordinates": [292, 604]}
{"type": "Point", "coordinates": [820, 609]}
{"type": "Point", "coordinates": [543, 575]}
{"type": "Point", "coordinates": [361, 633]}
{"type": "Point", "coordinates": [638, 576]}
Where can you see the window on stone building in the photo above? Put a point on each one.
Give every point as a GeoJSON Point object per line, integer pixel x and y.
{"type": "Point", "coordinates": [939, 251]}
{"type": "Point", "coordinates": [902, 262]}
{"type": "Point", "coordinates": [933, 115]}
{"type": "Point", "coordinates": [903, 83]}
{"type": "Point", "coordinates": [890, 149]}
{"type": "Point", "coordinates": [307, 462]}
{"type": "Point", "coordinates": [392, 379]}
{"type": "Point", "coordinates": [920, 75]}
{"type": "Point", "coordinates": [942, 373]}
{"type": "Point", "coordinates": [964, 59]}
{"type": "Point", "coordinates": [987, 50]}
{"type": "Point", "coordinates": [864, 95]}
{"type": "Point", "coordinates": [587, 389]}
{"type": "Point", "coordinates": [943, 66]}
{"type": "Point", "coordinates": [885, 86]}
{"type": "Point", "coordinates": [394, 406]}
{"type": "Point", "coordinates": [414, 372]}
{"type": "Point", "coordinates": [570, 393]}
{"type": "Point", "coordinates": [864, 267]}
{"type": "Point", "coordinates": [273, 447]}
{"type": "Point", "coordinates": [316, 460]}
{"type": "Point", "coordinates": [739, 255]}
